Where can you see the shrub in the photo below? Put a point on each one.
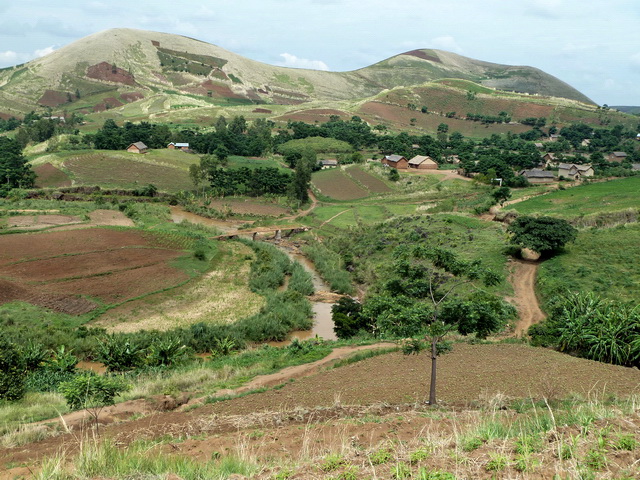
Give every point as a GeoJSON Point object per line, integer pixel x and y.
{"type": "Point", "coordinates": [12, 371]}
{"type": "Point", "coordinates": [92, 392]}
{"type": "Point", "coordinates": [120, 354]}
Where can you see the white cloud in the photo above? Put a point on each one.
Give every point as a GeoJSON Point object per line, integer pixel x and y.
{"type": "Point", "coordinates": [44, 51]}
{"type": "Point", "coordinates": [447, 43]}
{"type": "Point", "coordinates": [8, 57]}
{"type": "Point", "coordinates": [295, 62]}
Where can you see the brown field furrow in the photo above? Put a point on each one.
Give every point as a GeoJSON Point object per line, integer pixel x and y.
{"type": "Point", "coordinates": [372, 183]}
{"type": "Point", "coordinates": [86, 264]}
{"type": "Point", "coordinates": [19, 247]}
{"type": "Point", "coordinates": [120, 286]}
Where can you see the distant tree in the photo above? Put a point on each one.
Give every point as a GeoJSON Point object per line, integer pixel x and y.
{"type": "Point", "coordinates": [501, 195]}
{"type": "Point", "coordinates": [394, 176]}
{"type": "Point", "coordinates": [14, 169]}
{"type": "Point", "coordinates": [544, 235]}
{"type": "Point", "coordinates": [347, 318]}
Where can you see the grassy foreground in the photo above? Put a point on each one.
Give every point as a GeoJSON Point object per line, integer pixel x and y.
{"type": "Point", "coordinates": [572, 438]}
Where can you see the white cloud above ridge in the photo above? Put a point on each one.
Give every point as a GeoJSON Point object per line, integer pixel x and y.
{"type": "Point", "coordinates": [294, 62]}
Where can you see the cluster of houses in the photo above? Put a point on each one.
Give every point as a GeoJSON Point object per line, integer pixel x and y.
{"type": "Point", "coordinates": [419, 162]}
{"type": "Point", "coordinates": [567, 171]}
{"type": "Point", "coordinates": [140, 147]}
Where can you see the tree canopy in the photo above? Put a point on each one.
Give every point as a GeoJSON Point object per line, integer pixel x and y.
{"type": "Point", "coordinates": [543, 235]}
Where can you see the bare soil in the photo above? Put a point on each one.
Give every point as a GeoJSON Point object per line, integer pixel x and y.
{"type": "Point", "coordinates": [54, 269]}
{"type": "Point", "coordinates": [376, 400]}
{"type": "Point", "coordinates": [523, 279]}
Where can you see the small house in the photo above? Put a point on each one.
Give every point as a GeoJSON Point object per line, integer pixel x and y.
{"type": "Point", "coordinates": [617, 157]}
{"type": "Point", "coordinates": [554, 137]}
{"type": "Point", "coordinates": [137, 147]}
{"type": "Point", "coordinates": [635, 167]}
{"type": "Point", "coordinates": [572, 171]}
{"type": "Point", "coordinates": [537, 176]}
{"type": "Point", "coordinates": [395, 161]}
{"type": "Point", "coordinates": [328, 163]}
{"type": "Point", "coordinates": [179, 146]}
{"type": "Point", "coordinates": [421, 162]}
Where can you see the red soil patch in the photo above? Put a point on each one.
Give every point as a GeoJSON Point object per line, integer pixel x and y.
{"type": "Point", "coordinates": [261, 110]}
{"type": "Point", "coordinates": [108, 73]}
{"type": "Point", "coordinates": [51, 98]}
{"type": "Point", "coordinates": [5, 116]}
{"type": "Point", "coordinates": [249, 207]}
{"type": "Point", "coordinates": [120, 286]}
{"type": "Point", "coordinates": [108, 103]}
{"type": "Point", "coordinates": [49, 176]}
{"type": "Point", "coordinates": [131, 97]}
{"type": "Point", "coordinates": [329, 408]}
{"type": "Point", "coordinates": [217, 90]}
{"type": "Point", "coordinates": [423, 55]}
{"type": "Point", "coordinates": [52, 269]}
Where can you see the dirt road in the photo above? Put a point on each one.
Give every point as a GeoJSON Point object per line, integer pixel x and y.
{"type": "Point", "coordinates": [523, 279]}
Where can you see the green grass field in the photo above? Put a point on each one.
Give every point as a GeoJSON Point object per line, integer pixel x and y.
{"type": "Point", "coordinates": [586, 199]}
{"type": "Point", "coordinates": [604, 261]}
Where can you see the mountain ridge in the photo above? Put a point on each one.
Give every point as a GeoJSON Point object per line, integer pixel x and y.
{"type": "Point", "coordinates": [159, 62]}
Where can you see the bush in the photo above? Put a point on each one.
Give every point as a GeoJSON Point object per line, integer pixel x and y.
{"type": "Point", "coordinates": [12, 370]}
{"type": "Point", "coordinates": [120, 354]}
{"type": "Point", "coordinates": [91, 391]}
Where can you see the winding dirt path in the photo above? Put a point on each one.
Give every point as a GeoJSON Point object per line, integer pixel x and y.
{"type": "Point", "coordinates": [523, 279]}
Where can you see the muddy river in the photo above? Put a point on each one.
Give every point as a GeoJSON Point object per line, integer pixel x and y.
{"type": "Point", "coordinates": [322, 322]}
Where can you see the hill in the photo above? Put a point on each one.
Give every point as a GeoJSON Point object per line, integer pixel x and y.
{"type": "Point", "coordinates": [162, 72]}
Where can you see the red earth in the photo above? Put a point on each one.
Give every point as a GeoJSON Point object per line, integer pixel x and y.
{"type": "Point", "coordinates": [58, 270]}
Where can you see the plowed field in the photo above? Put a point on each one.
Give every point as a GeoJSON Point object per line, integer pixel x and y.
{"type": "Point", "coordinates": [56, 269]}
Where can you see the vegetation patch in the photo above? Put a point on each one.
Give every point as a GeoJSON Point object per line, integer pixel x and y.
{"type": "Point", "coordinates": [584, 200]}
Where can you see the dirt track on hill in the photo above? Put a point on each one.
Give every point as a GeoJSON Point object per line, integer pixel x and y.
{"type": "Point", "coordinates": [523, 279]}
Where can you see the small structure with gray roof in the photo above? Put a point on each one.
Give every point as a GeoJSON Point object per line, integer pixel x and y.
{"type": "Point", "coordinates": [395, 161]}
{"type": "Point", "coordinates": [536, 175]}
{"type": "Point", "coordinates": [573, 171]}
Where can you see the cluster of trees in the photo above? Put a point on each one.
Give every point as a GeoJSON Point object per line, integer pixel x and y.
{"type": "Point", "coordinates": [112, 137]}
{"type": "Point", "coordinates": [502, 117]}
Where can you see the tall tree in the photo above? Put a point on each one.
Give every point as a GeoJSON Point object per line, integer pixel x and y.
{"type": "Point", "coordinates": [298, 190]}
{"type": "Point", "coordinates": [433, 275]}
{"type": "Point", "coordinates": [14, 170]}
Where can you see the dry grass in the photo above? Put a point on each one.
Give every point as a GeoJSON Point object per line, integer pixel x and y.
{"type": "Point", "coordinates": [221, 296]}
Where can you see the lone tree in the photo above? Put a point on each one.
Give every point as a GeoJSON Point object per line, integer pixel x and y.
{"type": "Point", "coordinates": [92, 392]}
{"type": "Point", "coordinates": [432, 275]}
{"type": "Point", "coordinates": [544, 235]}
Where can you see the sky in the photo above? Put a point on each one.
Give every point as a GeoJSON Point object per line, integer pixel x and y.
{"type": "Point", "coordinates": [592, 45]}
